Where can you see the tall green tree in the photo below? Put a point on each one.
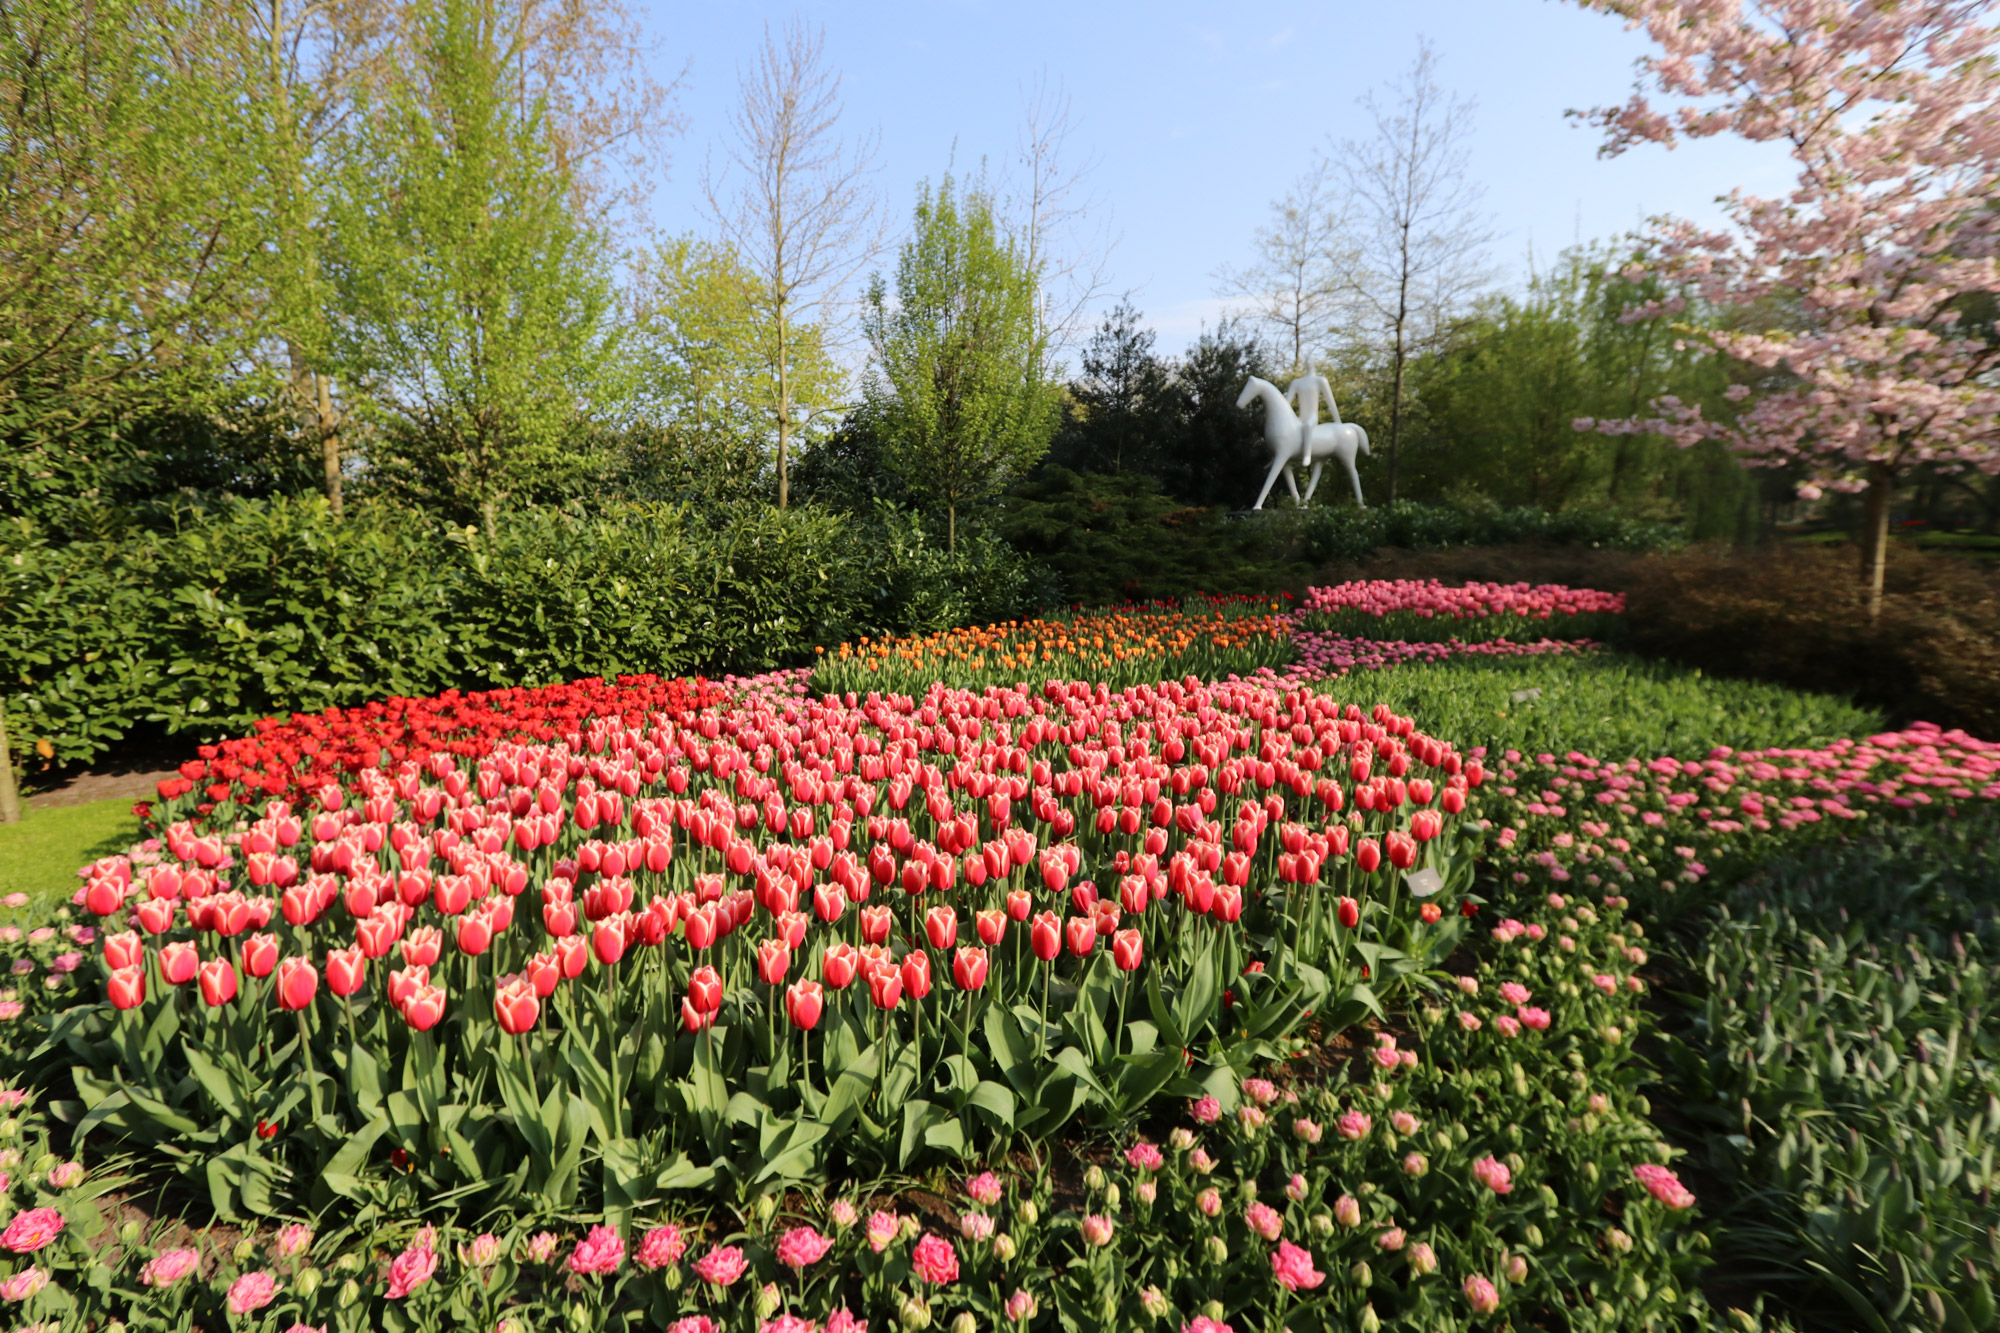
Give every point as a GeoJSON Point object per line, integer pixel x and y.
{"type": "Point", "coordinates": [955, 384]}
{"type": "Point", "coordinates": [474, 307]}
{"type": "Point", "coordinates": [127, 236]}
{"type": "Point", "coordinates": [706, 375]}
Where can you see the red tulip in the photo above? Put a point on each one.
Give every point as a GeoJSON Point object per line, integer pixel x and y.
{"type": "Point", "coordinates": [828, 902]}
{"type": "Point", "coordinates": [125, 949]}
{"type": "Point", "coordinates": [218, 982]}
{"type": "Point", "coordinates": [792, 929]}
{"type": "Point", "coordinates": [968, 967]}
{"type": "Point", "coordinates": [701, 927]}
{"type": "Point", "coordinates": [298, 982]}
{"type": "Point", "coordinates": [346, 969]}
{"type": "Point", "coordinates": [694, 1019]}
{"type": "Point", "coordinates": [1402, 849]}
{"type": "Point", "coordinates": [475, 933]}
{"type": "Point", "coordinates": [885, 986]}
{"type": "Point", "coordinates": [404, 981]}
{"type": "Point", "coordinates": [803, 1002]}
{"type": "Point", "coordinates": [260, 955]}
{"type": "Point", "coordinates": [839, 965]}
{"type": "Point", "coordinates": [105, 896]}
{"type": "Point", "coordinates": [1350, 913]}
{"type": "Point", "coordinates": [1128, 950]}
{"type": "Point", "coordinates": [1055, 870]}
{"type": "Point", "coordinates": [941, 925]}
{"type": "Point", "coordinates": [917, 974]}
{"type": "Point", "coordinates": [422, 947]}
{"type": "Point", "coordinates": [516, 1007]}
{"type": "Point", "coordinates": [1431, 913]}
{"type": "Point", "coordinates": [1367, 855]}
{"type": "Point", "coordinates": [1045, 936]}
{"type": "Point", "coordinates": [559, 919]}
{"type": "Point", "coordinates": [543, 972]}
{"type": "Point", "coordinates": [1082, 934]}
{"type": "Point", "coordinates": [178, 963]}
{"type": "Point", "coordinates": [875, 923]}
{"type": "Point", "coordinates": [574, 955]}
{"type": "Point", "coordinates": [424, 1008]}
{"type": "Point", "coordinates": [452, 893]}
{"type": "Point", "coordinates": [1020, 904]}
{"type": "Point", "coordinates": [774, 959]}
{"type": "Point", "coordinates": [378, 934]}
{"type": "Point", "coordinates": [992, 925]}
{"type": "Point", "coordinates": [126, 987]}
{"type": "Point", "coordinates": [1133, 895]}
{"type": "Point", "coordinates": [300, 904]}
{"type": "Point", "coordinates": [705, 989]}
{"type": "Point", "coordinates": [360, 898]}
{"type": "Point", "coordinates": [1228, 904]}
{"type": "Point", "coordinates": [156, 915]}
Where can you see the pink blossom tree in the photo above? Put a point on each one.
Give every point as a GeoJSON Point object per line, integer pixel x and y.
{"type": "Point", "coordinates": [1891, 111]}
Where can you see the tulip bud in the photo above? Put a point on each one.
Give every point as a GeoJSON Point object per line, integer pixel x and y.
{"type": "Point", "coordinates": [1322, 1224]}
{"type": "Point", "coordinates": [579, 1318]}
{"type": "Point", "coordinates": [1218, 1250]}
{"type": "Point", "coordinates": [1112, 1196]}
{"type": "Point", "coordinates": [1093, 1179]}
{"type": "Point", "coordinates": [1214, 1311]}
{"type": "Point", "coordinates": [1363, 1275]}
{"type": "Point", "coordinates": [1531, 1235]}
{"type": "Point", "coordinates": [307, 1282]}
{"type": "Point", "coordinates": [768, 1297]}
{"type": "Point", "coordinates": [1004, 1248]}
{"type": "Point", "coordinates": [244, 1250]}
{"type": "Point", "coordinates": [1027, 1214]}
{"type": "Point", "coordinates": [1617, 1241]}
{"type": "Point", "coordinates": [914, 1313]}
{"type": "Point", "coordinates": [766, 1207]}
{"type": "Point", "coordinates": [965, 1323]}
{"type": "Point", "coordinates": [1370, 1321]}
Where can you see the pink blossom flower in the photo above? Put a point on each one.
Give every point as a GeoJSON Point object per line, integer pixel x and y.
{"type": "Point", "coordinates": [1260, 1090]}
{"type": "Point", "coordinates": [1295, 1188]}
{"type": "Point", "coordinates": [1201, 1161]}
{"type": "Point", "coordinates": [1390, 1238]}
{"type": "Point", "coordinates": [1507, 1025]}
{"type": "Point", "coordinates": [843, 1213]}
{"type": "Point", "coordinates": [1469, 985]}
{"type": "Point", "coordinates": [1306, 1131]}
{"type": "Point", "coordinates": [721, 1266]}
{"type": "Point", "coordinates": [1664, 1185]}
{"type": "Point", "coordinates": [31, 1229]}
{"type": "Point", "coordinates": [1144, 1156]}
{"type": "Point", "coordinates": [483, 1252]}
{"type": "Point", "coordinates": [1415, 1164]}
{"type": "Point", "coordinates": [661, 1248]}
{"type": "Point", "coordinates": [1209, 1201]}
{"type": "Point", "coordinates": [293, 1240]}
{"type": "Point", "coordinates": [542, 1246]}
{"type": "Point", "coordinates": [168, 1267]}
{"type": "Point", "coordinates": [1022, 1306]}
{"type": "Point", "coordinates": [788, 1323]}
{"type": "Point", "coordinates": [802, 1246]}
{"type": "Point", "coordinates": [1097, 1231]}
{"type": "Point", "coordinates": [1253, 1118]}
{"type": "Point", "coordinates": [65, 1174]}
{"type": "Point", "coordinates": [1481, 1294]}
{"type": "Point", "coordinates": [1513, 992]}
{"type": "Point", "coordinates": [1347, 1211]}
{"type": "Point", "coordinates": [599, 1253]}
{"type": "Point", "coordinates": [984, 1189]}
{"type": "Point", "coordinates": [882, 1229]}
{"type": "Point", "coordinates": [975, 1226]}
{"type": "Point", "coordinates": [934, 1260]}
{"type": "Point", "coordinates": [1388, 1057]}
{"type": "Point", "coordinates": [1201, 1323]}
{"type": "Point", "coordinates": [1494, 1175]}
{"type": "Point", "coordinates": [1293, 1268]}
{"type": "Point", "coordinates": [24, 1285]}
{"type": "Point", "coordinates": [1470, 1022]}
{"type": "Point", "coordinates": [694, 1323]}
{"type": "Point", "coordinates": [411, 1269]}
{"type": "Point", "coordinates": [1207, 1110]}
{"type": "Point", "coordinates": [1354, 1125]}
{"type": "Point", "coordinates": [1538, 1019]}
{"type": "Point", "coordinates": [840, 1321]}
{"type": "Point", "coordinates": [252, 1291]}
{"type": "Point", "coordinates": [1264, 1220]}
{"type": "Point", "coordinates": [1404, 1123]}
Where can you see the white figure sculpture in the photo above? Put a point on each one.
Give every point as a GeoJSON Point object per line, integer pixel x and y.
{"type": "Point", "coordinates": [1309, 441]}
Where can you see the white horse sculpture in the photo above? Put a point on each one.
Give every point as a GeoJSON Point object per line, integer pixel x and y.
{"type": "Point", "coordinates": [1290, 441]}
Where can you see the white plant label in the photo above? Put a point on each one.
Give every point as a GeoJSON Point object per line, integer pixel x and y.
{"type": "Point", "coordinates": [1423, 883]}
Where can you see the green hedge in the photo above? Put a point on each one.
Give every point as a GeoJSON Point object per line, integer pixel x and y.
{"type": "Point", "coordinates": [1330, 534]}
{"type": "Point", "coordinates": [224, 615]}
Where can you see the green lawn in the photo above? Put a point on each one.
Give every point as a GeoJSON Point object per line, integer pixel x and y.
{"type": "Point", "coordinates": [39, 856]}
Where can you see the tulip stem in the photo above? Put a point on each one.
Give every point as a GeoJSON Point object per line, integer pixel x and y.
{"type": "Point", "coordinates": [1042, 1031]}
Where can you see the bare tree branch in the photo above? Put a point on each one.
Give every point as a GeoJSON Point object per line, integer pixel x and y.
{"type": "Point", "coordinates": [1296, 288]}
{"type": "Point", "coordinates": [1049, 212]}
{"type": "Point", "coordinates": [793, 199]}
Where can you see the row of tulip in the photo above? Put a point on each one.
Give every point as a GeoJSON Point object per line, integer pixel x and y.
{"type": "Point", "coordinates": [1329, 656]}
{"type": "Point", "coordinates": [705, 936]}
{"type": "Point", "coordinates": [1417, 610]}
{"type": "Point", "coordinates": [1491, 1164]}
{"type": "Point", "coordinates": [1661, 823]}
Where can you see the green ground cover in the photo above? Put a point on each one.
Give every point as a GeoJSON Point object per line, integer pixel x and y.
{"type": "Point", "coordinates": [39, 856]}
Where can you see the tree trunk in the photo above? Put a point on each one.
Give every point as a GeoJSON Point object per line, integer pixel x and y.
{"type": "Point", "coordinates": [329, 445]}
{"type": "Point", "coordinates": [1396, 418]}
{"type": "Point", "coordinates": [951, 529]}
{"type": "Point", "coordinates": [784, 413]}
{"type": "Point", "coordinates": [10, 795]}
{"type": "Point", "coordinates": [1875, 541]}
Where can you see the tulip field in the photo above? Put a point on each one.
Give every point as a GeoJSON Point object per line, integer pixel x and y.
{"type": "Point", "coordinates": [1213, 967]}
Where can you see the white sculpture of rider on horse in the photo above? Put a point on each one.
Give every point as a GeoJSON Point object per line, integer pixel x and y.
{"type": "Point", "coordinates": [1300, 437]}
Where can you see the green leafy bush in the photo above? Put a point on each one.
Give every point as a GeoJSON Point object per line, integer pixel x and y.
{"type": "Point", "coordinates": [1327, 534]}
{"type": "Point", "coordinates": [246, 609]}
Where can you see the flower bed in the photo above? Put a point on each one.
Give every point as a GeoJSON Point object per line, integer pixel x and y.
{"type": "Point", "coordinates": [346, 1003]}
{"type": "Point", "coordinates": [1417, 610]}
{"type": "Point", "coordinates": [1491, 1163]}
{"type": "Point", "coordinates": [1329, 656]}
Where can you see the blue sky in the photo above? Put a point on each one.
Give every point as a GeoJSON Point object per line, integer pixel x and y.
{"type": "Point", "coordinates": [1198, 115]}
